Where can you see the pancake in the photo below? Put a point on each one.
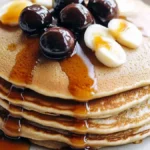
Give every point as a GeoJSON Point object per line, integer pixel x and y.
{"type": "Point", "coordinates": [65, 79]}
{"type": "Point", "coordinates": [131, 118]}
{"type": "Point", "coordinates": [100, 108]}
{"type": "Point", "coordinates": [32, 131]}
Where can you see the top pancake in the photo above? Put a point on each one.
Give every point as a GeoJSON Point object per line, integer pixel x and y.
{"type": "Point", "coordinates": [81, 77]}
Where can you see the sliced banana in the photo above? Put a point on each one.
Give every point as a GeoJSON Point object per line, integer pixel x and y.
{"type": "Point", "coordinates": [94, 30]}
{"type": "Point", "coordinates": [115, 56]}
{"type": "Point", "coordinates": [46, 3]}
{"type": "Point", "coordinates": [10, 12]}
{"type": "Point", "coordinates": [125, 33]}
{"type": "Point", "coordinates": [107, 50]}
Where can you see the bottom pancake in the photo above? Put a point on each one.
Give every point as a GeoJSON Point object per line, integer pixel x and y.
{"type": "Point", "coordinates": [23, 128]}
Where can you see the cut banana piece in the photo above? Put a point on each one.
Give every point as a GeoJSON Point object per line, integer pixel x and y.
{"type": "Point", "coordinates": [110, 53]}
{"type": "Point", "coordinates": [10, 12]}
{"type": "Point", "coordinates": [46, 3]}
{"type": "Point", "coordinates": [125, 33]}
{"type": "Point", "coordinates": [106, 49]}
{"type": "Point", "coordinates": [95, 30]}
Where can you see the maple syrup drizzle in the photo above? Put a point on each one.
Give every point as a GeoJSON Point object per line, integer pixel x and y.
{"type": "Point", "coordinates": [26, 60]}
{"type": "Point", "coordinates": [79, 140]}
{"type": "Point", "coordinates": [81, 75]}
{"type": "Point", "coordinates": [13, 94]}
{"type": "Point", "coordinates": [10, 144]}
{"type": "Point", "coordinates": [99, 43]}
{"type": "Point", "coordinates": [122, 27]}
{"type": "Point", "coordinates": [12, 126]}
{"type": "Point", "coordinates": [16, 92]}
{"type": "Point", "coordinates": [12, 129]}
{"type": "Point", "coordinates": [12, 47]}
{"type": "Point", "coordinates": [13, 13]}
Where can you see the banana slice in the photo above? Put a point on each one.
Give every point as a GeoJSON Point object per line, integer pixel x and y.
{"type": "Point", "coordinates": [46, 3]}
{"type": "Point", "coordinates": [125, 33]}
{"type": "Point", "coordinates": [112, 55]}
{"type": "Point", "coordinates": [94, 30]}
{"type": "Point", "coordinates": [10, 12]}
{"type": "Point", "coordinates": [107, 50]}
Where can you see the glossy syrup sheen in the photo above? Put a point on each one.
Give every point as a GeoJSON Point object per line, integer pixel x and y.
{"type": "Point", "coordinates": [25, 61]}
{"type": "Point", "coordinates": [122, 27]}
{"type": "Point", "coordinates": [100, 43]}
{"type": "Point", "coordinates": [81, 75]}
{"type": "Point", "coordinates": [13, 12]}
{"type": "Point", "coordinates": [12, 128]}
{"type": "Point", "coordinates": [12, 47]}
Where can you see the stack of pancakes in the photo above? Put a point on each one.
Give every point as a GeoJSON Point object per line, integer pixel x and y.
{"type": "Point", "coordinates": [76, 102]}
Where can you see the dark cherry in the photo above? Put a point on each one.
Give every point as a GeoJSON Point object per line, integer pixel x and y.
{"type": "Point", "coordinates": [60, 4]}
{"type": "Point", "coordinates": [76, 16]}
{"type": "Point", "coordinates": [104, 10]}
{"type": "Point", "coordinates": [34, 19]}
{"type": "Point", "coordinates": [57, 43]}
